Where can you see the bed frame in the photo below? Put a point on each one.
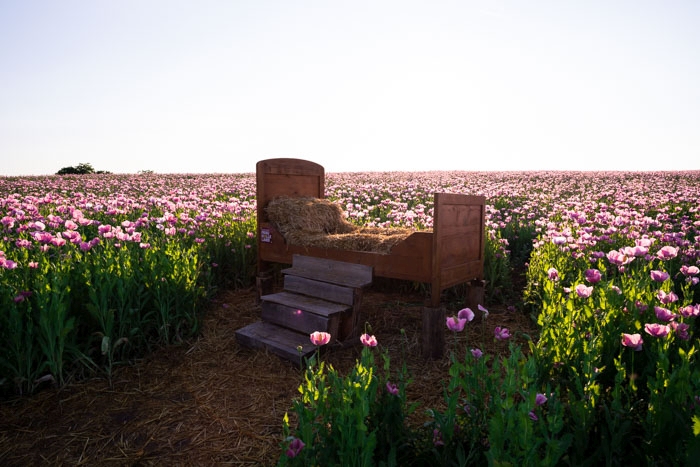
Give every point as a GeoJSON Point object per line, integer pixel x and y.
{"type": "Point", "coordinates": [452, 254]}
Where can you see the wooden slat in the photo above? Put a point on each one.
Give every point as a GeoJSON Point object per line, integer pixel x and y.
{"type": "Point", "coordinates": [457, 274]}
{"type": "Point", "coordinates": [327, 270]}
{"type": "Point", "coordinates": [306, 303]}
{"type": "Point", "coordinates": [290, 345]}
{"type": "Point", "coordinates": [324, 290]}
{"type": "Point", "coordinates": [299, 320]}
{"type": "Point", "coordinates": [409, 260]}
{"type": "Point", "coordinates": [459, 249]}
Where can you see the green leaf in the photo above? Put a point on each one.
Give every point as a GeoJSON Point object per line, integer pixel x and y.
{"type": "Point", "coordinates": [696, 425]}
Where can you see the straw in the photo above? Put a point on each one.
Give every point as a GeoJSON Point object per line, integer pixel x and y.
{"type": "Point", "coordinates": [209, 401]}
{"type": "Point", "coordinates": [321, 223]}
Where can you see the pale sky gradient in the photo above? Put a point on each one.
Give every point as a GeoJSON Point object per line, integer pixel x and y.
{"type": "Point", "coordinates": [214, 86]}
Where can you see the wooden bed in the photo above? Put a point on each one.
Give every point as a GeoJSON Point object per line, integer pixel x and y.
{"type": "Point", "coordinates": [452, 253]}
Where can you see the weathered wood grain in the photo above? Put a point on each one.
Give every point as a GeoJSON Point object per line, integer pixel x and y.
{"type": "Point", "coordinates": [316, 288]}
{"type": "Point", "coordinates": [299, 319]}
{"type": "Point", "coordinates": [287, 344]}
{"type": "Point", "coordinates": [304, 302]}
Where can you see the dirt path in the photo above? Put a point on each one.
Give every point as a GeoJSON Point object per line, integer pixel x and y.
{"type": "Point", "coordinates": [205, 402]}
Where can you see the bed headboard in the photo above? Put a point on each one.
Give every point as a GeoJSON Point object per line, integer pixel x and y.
{"type": "Point", "coordinates": [287, 177]}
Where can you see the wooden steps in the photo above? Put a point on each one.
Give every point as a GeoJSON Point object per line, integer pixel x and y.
{"type": "Point", "coordinates": [283, 342]}
{"type": "Point", "coordinates": [318, 295]}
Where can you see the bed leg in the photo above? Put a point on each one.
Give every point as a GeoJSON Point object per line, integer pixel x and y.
{"type": "Point", "coordinates": [433, 332]}
{"type": "Point", "coordinates": [476, 290]}
{"type": "Point", "coordinates": [264, 283]}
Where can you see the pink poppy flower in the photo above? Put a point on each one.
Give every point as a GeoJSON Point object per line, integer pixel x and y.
{"type": "Point", "coordinates": [38, 225]}
{"type": "Point", "coordinates": [664, 314]}
{"type": "Point", "coordinates": [584, 291]}
{"type": "Point", "coordinates": [559, 240]}
{"type": "Point", "coordinates": [656, 329]}
{"type": "Point", "coordinates": [553, 274]}
{"type": "Point", "coordinates": [635, 251]}
{"type": "Point", "coordinates": [540, 399]}
{"type": "Point", "coordinates": [455, 324]}
{"type": "Point", "coordinates": [690, 311]}
{"type": "Point", "coordinates": [72, 236]}
{"type": "Point", "coordinates": [659, 276]}
{"type": "Point", "coordinates": [465, 313]}
{"type": "Point", "coordinates": [666, 298]}
{"type": "Point", "coordinates": [43, 237]}
{"type": "Point", "coordinates": [593, 276]}
{"type": "Point", "coordinates": [618, 258]}
{"type": "Point", "coordinates": [633, 341]}
{"type": "Point", "coordinates": [644, 241]}
{"type": "Point", "coordinates": [392, 389]}
{"type": "Point", "coordinates": [21, 297]}
{"type": "Point", "coordinates": [8, 222]}
{"type": "Point", "coordinates": [58, 241]}
{"type": "Point", "coordinates": [681, 330]}
{"type": "Point", "coordinates": [295, 447]}
{"type": "Point", "coordinates": [477, 353]}
{"type": "Point", "coordinates": [690, 270]}
{"type": "Point", "coordinates": [23, 243]}
{"type": "Point", "coordinates": [368, 341]}
{"type": "Point", "coordinates": [667, 252]}
{"type": "Point", "coordinates": [320, 338]}
{"type": "Point", "coordinates": [484, 311]}
{"type": "Point", "coordinates": [501, 333]}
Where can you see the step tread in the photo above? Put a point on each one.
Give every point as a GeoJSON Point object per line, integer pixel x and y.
{"type": "Point", "coordinates": [306, 303]}
{"type": "Point", "coordinates": [328, 270]}
{"type": "Point", "coordinates": [338, 278]}
{"type": "Point", "coordinates": [285, 343]}
{"type": "Point", "coordinates": [298, 320]}
{"type": "Point", "coordinates": [323, 290]}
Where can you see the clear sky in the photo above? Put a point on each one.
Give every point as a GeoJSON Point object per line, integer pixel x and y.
{"type": "Point", "coordinates": [214, 86]}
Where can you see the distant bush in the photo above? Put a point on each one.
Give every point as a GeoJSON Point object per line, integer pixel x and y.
{"type": "Point", "coordinates": [80, 169]}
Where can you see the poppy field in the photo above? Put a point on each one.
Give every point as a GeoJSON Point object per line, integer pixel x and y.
{"type": "Point", "coordinates": [99, 269]}
{"type": "Point", "coordinates": [96, 270]}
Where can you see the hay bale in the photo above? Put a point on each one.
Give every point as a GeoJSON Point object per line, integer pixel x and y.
{"type": "Point", "coordinates": [321, 223]}
{"type": "Point", "coordinates": [308, 215]}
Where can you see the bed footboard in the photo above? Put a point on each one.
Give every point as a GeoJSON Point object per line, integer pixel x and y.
{"type": "Point", "coordinates": [458, 241]}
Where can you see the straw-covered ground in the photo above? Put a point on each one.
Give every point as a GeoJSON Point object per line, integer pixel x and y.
{"type": "Point", "coordinates": [209, 401]}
